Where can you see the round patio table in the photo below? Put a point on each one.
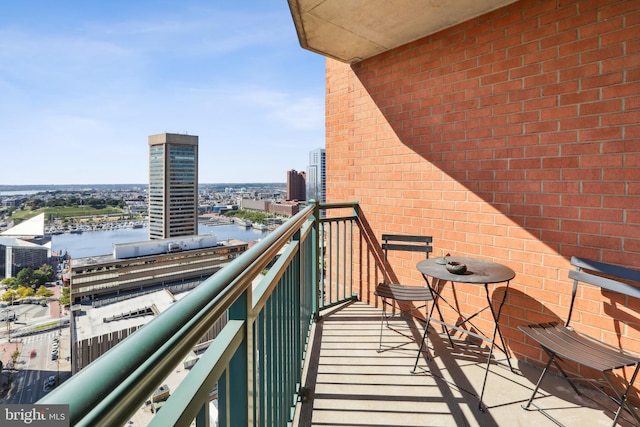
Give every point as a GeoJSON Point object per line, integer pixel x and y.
{"type": "Point", "coordinates": [479, 272]}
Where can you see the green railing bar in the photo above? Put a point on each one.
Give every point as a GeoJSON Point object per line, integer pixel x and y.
{"type": "Point", "coordinates": [187, 399]}
{"type": "Point", "coordinates": [122, 379]}
{"type": "Point", "coordinates": [119, 382]}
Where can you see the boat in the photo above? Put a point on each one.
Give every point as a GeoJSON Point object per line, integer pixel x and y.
{"type": "Point", "coordinates": [242, 222]}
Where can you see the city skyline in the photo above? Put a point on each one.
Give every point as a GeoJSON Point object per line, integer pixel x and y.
{"type": "Point", "coordinates": [84, 85]}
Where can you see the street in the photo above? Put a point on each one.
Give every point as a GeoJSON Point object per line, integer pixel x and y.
{"type": "Point", "coordinates": [24, 381]}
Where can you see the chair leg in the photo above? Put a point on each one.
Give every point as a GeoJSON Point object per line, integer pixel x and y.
{"type": "Point", "coordinates": [622, 396]}
{"type": "Point", "coordinates": [535, 390]}
{"type": "Point", "coordinates": [382, 319]}
{"type": "Point", "coordinates": [425, 338]}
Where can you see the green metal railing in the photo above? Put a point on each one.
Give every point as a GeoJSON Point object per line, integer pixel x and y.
{"type": "Point", "coordinates": [256, 361]}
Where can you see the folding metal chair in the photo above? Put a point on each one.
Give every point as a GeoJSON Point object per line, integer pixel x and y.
{"type": "Point", "coordinates": [394, 293]}
{"type": "Point", "coordinates": [564, 343]}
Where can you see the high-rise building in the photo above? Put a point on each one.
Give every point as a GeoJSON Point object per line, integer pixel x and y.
{"type": "Point", "coordinates": [316, 173]}
{"type": "Point", "coordinates": [296, 183]}
{"type": "Point", "coordinates": [173, 185]}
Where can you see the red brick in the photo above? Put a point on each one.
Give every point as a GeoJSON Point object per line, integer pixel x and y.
{"type": "Point", "coordinates": [562, 88]}
{"type": "Point", "coordinates": [609, 52]}
{"type": "Point", "coordinates": [604, 134]}
{"type": "Point", "coordinates": [602, 107]}
{"type": "Point", "coordinates": [559, 113]}
{"type": "Point", "coordinates": [559, 212]}
{"type": "Point", "coordinates": [630, 89]}
{"type": "Point", "coordinates": [540, 56]}
{"type": "Point", "coordinates": [625, 62]}
{"type": "Point", "coordinates": [541, 127]}
{"type": "Point", "coordinates": [582, 201]}
{"type": "Point", "coordinates": [584, 18]}
{"type": "Point", "coordinates": [603, 215]}
{"type": "Point", "coordinates": [602, 80]}
{"type": "Point", "coordinates": [543, 174]}
{"type": "Point", "coordinates": [618, 8]}
{"type": "Point", "coordinates": [578, 123]}
{"type": "Point", "coordinates": [620, 230]}
{"type": "Point", "coordinates": [561, 63]}
{"type": "Point", "coordinates": [522, 95]}
{"type": "Point", "coordinates": [541, 79]}
{"type": "Point", "coordinates": [579, 73]}
{"type": "Point", "coordinates": [559, 137]}
{"type": "Point", "coordinates": [471, 133]}
{"type": "Point", "coordinates": [560, 162]}
{"type": "Point", "coordinates": [582, 96]}
{"type": "Point", "coordinates": [604, 187]}
{"type": "Point", "coordinates": [601, 28]}
{"type": "Point", "coordinates": [561, 14]}
{"type": "Point", "coordinates": [631, 117]}
{"type": "Point", "coordinates": [581, 45]}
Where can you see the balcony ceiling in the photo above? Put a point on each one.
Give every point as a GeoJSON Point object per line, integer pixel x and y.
{"type": "Point", "coordinates": [353, 30]}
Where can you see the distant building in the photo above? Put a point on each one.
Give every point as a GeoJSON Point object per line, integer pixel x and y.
{"type": "Point", "coordinates": [155, 263]}
{"type": "Point", "coordinates": [255, 205]}
{"type": "Point", "coordinates": [96, 330]}
{"type": "Point", "coordinates": [316, 176]}
{"type": "Point", "coordinates": [296, 185]}
{"type": "Point", "coordinates": [173, 185]}
{"type": "Point", "coordinates": [16, 254]}
{"type": "Point", "coordinates": [24, 245]}
{"type": "Point", "coordinates": [287, 208]}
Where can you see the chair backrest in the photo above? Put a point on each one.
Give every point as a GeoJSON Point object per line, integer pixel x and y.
{"type": "Point", "coordinates": [408, 243]}
{"type": "Point", "coordinates": [607, 276]}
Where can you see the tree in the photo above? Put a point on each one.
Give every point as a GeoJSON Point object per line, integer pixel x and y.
{"type": "Point", "coordinates": [25, 277]}
{"type": "Point", "coordinates": [43, 291]}
{"type": "Point", "coordinates": [9, 295]}
{"type": "Point", "coordinates": [24, 291]}
{"type": "Point", "coordinates": [47, 270]}
{"type": "Point", "coordinates": [65, 298]}
{"type": "Point", "coordinates": [40, 277]}
{"type": "Point", "coordinates": [10, 282]}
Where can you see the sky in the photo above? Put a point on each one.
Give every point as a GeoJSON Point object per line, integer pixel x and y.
{"type": "Point", "coordinates": [84, 83]}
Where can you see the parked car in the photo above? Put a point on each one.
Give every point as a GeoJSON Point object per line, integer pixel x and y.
{"type": "Point", "coordinates": [50, 382]}
{"type": "Point", "coordinates": [11, 316]}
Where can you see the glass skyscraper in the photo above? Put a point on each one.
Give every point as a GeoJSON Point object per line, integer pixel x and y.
{"type": "Point", "coordinates": [316, 172]}
{"type": "Point", "coordinates": [173, 185]}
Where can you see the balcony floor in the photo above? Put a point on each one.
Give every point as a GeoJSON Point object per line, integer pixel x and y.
{"type": "Point", "coordinates": [352, 385]}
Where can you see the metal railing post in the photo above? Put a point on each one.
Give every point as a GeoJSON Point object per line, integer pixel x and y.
{"type": "Point", "coordinates": [315, 256]}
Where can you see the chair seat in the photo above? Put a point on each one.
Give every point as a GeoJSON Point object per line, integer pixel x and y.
{"type": "Point", "coordinates": [566, 343]}
{"type": "Point", "coordinates": [400, 292]}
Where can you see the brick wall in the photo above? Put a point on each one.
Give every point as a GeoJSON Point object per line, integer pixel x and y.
{"type": "Point", "coordinates": [512, 137]}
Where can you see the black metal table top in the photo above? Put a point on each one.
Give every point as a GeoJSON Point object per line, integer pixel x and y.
{"type": "Point", "coordinates": [478, 271]}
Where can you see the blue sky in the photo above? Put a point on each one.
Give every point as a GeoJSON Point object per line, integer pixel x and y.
{"type": "Point", "coordinates": [84, 83]}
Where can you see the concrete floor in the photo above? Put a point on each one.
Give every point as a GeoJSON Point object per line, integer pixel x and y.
{"type": "Point", "coordinates": [351, 384]}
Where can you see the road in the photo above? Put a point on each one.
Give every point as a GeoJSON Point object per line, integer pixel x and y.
{"type": "Point", "coordinates": [28, 378]}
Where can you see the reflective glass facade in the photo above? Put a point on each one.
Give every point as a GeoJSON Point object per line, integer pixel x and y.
{"type": "Point", "coordinates": [173, 186]}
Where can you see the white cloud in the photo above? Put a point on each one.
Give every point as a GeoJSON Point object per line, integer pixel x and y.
{"type": "Point", "coordinates": [86, 98]}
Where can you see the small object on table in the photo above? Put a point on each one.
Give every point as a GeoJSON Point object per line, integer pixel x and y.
{"type": "Point", "coordinates": [456, 267]}
{"type": "Point", "coordinates": [441, 260]}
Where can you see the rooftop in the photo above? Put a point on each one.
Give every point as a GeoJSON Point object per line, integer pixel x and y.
{"type": "Point", "coordinates": [92, 324]}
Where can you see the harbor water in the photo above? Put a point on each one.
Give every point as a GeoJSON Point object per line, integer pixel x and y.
{"type": "Point", "coordinates": [94, 243]}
